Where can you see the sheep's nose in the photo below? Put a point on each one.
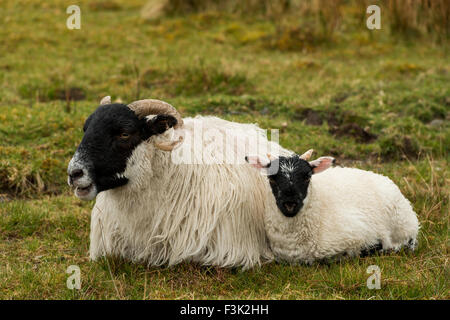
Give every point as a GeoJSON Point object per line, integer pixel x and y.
{"type": "Point", "coordinates": [75, 174]}
{"type": "Point", "coordinates": [289, 206]}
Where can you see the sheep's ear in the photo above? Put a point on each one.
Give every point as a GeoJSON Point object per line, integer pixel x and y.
{"type": "Point", "coordinates": [160, 124]}
{"type": "Point", "coordinates": [258, 162]}
{"type": "Point", "coordinates": [105, 100]}
{"type": "Point", "coordinates": [321, 164]}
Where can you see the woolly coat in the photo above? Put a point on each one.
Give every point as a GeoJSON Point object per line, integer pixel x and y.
{"type": "Point", "coordinates": [171, 211]}
{"type": "Point", "coordinates": [346, 210]}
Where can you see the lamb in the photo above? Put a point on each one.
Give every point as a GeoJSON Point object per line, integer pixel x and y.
{"type": "Point", "coordinates": [170, 189]}
{"type": "Point", "coordinates": [341, 211]}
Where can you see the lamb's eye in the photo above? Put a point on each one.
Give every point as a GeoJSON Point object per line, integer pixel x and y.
{"type": "Point", "coordinates": [124, 136]}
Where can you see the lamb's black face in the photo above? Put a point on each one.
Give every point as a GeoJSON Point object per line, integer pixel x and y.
{"type": "Point", "coordinates": [290, 184]}
{"type": "Point", "coordinates": [111, 134]}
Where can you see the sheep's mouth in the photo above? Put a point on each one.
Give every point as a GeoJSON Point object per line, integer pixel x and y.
{"type": "Point", "coordinates": [86, 193]}
{"type": "Point", "coordinates": [81, 192]}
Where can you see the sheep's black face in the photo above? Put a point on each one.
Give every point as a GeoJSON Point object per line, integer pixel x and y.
{"type": "Point", "coordinates": [290, 184]}
{"type": "Point", "coordinates": [111, 134]}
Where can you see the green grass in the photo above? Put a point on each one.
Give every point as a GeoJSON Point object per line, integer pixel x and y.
{"type": "Point", "coordinates": [371, 100]}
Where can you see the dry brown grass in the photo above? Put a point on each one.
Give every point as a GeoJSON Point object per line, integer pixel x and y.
{"type": "Point", "coordinates": [419, 17]}
{"type": "Point", "coordinates": [407, 17]}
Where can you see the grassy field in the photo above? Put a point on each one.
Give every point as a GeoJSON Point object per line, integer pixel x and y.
{"type": "Point", "coordinates": [370, 99]}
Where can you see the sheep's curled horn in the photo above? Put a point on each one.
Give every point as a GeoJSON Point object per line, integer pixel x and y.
{"type": "Point", "coordinates": [143, 108]}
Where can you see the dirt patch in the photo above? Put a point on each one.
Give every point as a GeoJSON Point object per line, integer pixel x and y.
{"type": "Point", "coordinates": [409, 148]}
{"type": "Point", "coordinates": [72, 93]}
{"type": "Point", "coordinates": [355, 131]}
{"type": "Point", "coordinates": [340, 123]}
{"type": "Point", "coordinates": [341, 97]}
{"type": "Point", "coordinates": [6, 67]}
{"type": "Point", "coordinates": [4, 197]}
{"type": "Point", "coordinates": [152, 78]}
{"type": "Point", "coordinates": [311, 117]}
{"type": "Point", "coordinates": [45, 93]}
{"type": "Point", "coordinates": [26, 185]}
{"type": "Point", "coordinates": [397, 147]}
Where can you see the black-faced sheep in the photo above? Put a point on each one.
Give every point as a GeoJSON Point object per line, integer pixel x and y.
{"type": "Point", "coordinates": [170, 189]}
{"type": "Point", "coordinates": [341, 211]}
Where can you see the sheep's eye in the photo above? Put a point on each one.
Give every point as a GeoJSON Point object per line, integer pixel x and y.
{"type": "Point", "coordinates": [124, 136]}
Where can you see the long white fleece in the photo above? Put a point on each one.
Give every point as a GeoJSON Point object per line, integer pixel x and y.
{"type": "Point", "coordinates": [171, 211]}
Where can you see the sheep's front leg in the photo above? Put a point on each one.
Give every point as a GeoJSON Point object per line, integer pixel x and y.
{"type": "Point", "coordinates": [96, 248]}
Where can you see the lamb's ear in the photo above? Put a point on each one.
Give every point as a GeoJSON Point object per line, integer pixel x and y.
{"type": "Point", "coordinates": [160, 124]}
{"type": "Point", "coordinates": [321, 164]}
{"type": "Point", "coordinates": [258, 162]}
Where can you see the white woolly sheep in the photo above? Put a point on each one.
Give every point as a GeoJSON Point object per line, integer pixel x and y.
{"type": "Point", "coordinates": [341, 211]}
{"type": "Point", "coordinates": [166, 195]}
